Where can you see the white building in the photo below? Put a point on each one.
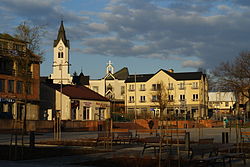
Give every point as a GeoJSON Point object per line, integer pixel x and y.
{"type": "Point", "coordinates": [75, 102]}
{"type": "Point", "coordinates": [221, 103]}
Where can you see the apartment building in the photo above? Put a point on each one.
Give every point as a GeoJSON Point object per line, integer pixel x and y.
{"type": "Point", "coordinates": [184, 94]}
{"type": "Point", "coordinates": [19, 80]}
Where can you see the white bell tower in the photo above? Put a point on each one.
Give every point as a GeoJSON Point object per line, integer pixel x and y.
{"type": "Point", "coordinates": [61, 59]}
{"type": "Point", "coordinates": [109, 68]}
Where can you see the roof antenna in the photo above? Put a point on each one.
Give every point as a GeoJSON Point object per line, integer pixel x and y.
{"type": "Point", "coordinates": [81, 69]}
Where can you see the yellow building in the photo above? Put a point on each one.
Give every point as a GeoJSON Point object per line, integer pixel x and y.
{"type": "Point", "coordinates": [184, 94]}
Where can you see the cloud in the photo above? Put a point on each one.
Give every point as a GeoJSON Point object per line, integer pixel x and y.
{"type": "Point", "coordinates": [207, 30]}
{"type": "Point", "coordinates": [212, 32]}
{"type": "Point", "coordinates": [192, 63]}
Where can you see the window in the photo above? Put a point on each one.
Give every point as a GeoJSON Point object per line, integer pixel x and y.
{"type": "Point", "coordinates": [96, 88]}
{"type": "Point", "coordinates": [2, 85]}
{"type": "Point", "coordinates": [131, 99]}
{"type": "Point", "coordinates": [142, 87]}
{"type": "Point", "coordinates": [18, 47]}
{"type": "Point", "coordinates": [182, 85]}
{"type": "Point", "coordinates": [195, 85]}
{"type": "Point", "coordinates": [11, 86]}
{"type": "Point", "coordinates": [170, 86]}
{"type": "Point", "coordinates": [156, 87]}
{"type": "Point", "coordinates": [195, 97]}
{"type": "Point", "coordinates": [1, 107]}
{"type": "Point", "coordinates": [85, 113]}
{"type": "Point", "coordinates": [142, 99]}
{"type": "Point", "coordinates": [226, 104]}
{"type": "Point", "coordinates": [122, 90]}
{"type": "Point", "coordinates": [154, 98]}
{"type": "Point", "coordinates": [19, 87]}
{"type": "Point", "coordinates": [60, 54]}
{"type": "Point", "coordinates": [182, 97]}
{"type": "Point", "coordinates": [10, 108]}
{"type": "Point", "coordinates": [131, 87]}
{"type": "Point", "coordinates": [170, 97]}
{"type": "Point", "coordinates": [29, 88]}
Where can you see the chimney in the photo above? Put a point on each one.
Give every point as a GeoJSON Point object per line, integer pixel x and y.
{"type": "Point", "coordinates": [170, 70]}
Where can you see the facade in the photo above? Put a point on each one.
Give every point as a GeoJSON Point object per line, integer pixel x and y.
{"type": "Point", "coordinates": [112, 86]}
{"type": "Point", "coordinates": [61, 59]}
{"type": "Point", "coordinates": [185, 94]}
{"type": "Point", "coordinates": [74, 102]}
{"type": "Point", "coordinates": [19, 80]}
{"type": "Point", "coordinates": [221, 103]}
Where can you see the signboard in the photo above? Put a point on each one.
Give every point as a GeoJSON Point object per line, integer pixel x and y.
{"type": "Point", "coordinates": [7, 100]}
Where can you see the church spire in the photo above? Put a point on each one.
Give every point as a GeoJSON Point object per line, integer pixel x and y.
{"type": "Point", "coordinates": [61, 36]}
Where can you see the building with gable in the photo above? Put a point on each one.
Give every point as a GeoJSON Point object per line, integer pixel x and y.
{"type": "Point", "coordinates": [112, 86]}
{"type": "Point", "coordinates": [75, 102]}
{"type": "Point", "coordinates": [186, 94]}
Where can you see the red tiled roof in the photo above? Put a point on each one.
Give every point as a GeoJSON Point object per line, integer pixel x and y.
{"type": "Point", "coordinates": [78, 92]}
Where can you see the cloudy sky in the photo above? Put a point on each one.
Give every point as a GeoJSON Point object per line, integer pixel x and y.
{"type": "Point", "coordinates": [143, 35]}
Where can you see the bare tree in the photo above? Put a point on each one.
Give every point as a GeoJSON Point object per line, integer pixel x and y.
{"type": "Point", "coordinates": [235, 76]}
{"type": "Point", "coordinates": [32, 35]}
{"type": "Point", "coordinates": [162, 97]}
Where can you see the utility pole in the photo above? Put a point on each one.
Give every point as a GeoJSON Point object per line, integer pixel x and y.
{"type": "Point", "coordinates": [57, 120]}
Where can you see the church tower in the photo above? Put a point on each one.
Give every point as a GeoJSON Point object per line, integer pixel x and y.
{"type": "Point", "coordinates": [61, 58]}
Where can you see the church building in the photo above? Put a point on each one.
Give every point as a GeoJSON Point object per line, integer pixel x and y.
{"type": "Point", "coordinates": [112, 86]}
{"type": "Point", "coordinates": [66, 96]}
{"type": "Point", "coordinates": [61, 59]}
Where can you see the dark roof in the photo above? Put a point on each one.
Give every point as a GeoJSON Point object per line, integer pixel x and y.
{"type": "Point", "coordinates": [185, 75]}
{"type": "Point", "coordinates": [78, 92]}
{"type": "Point", "coordinates": [9, 37]}
{"type": "Point", "coordinates": [81, 79]}
{"type": "Point", "coordinates": [139, 78]}
{"type": "Point", "coordinates": [61, 35]}
{"type": "Point", "coordinates": [122, 74]}
{"type": "Point", "coordinates": [177, 76]}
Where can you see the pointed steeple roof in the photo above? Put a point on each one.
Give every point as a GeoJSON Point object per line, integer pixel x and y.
{"type": "Point", "coordinates": [61, 35]}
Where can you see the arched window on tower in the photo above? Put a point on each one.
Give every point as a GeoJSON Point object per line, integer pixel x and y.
{"type": "Point", "coordinates": [60, 54]}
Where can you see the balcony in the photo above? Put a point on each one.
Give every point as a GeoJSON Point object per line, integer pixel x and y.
{"type": "Point", "coordinates": [170, 88]}
{"type": "Point", "coordinates": [142, 101]}
{"type": "Point", "coordinates": [131, 90]}
{"type": "Point", "coordinates": [11, 52]}
{"type": "Point", "coordinates": [195, 99]}
{"type": "Point", "coordinates": [182, 88]}
{"type": "Point", "coordinates": [155, 100]}
{"type": "Point", "coordinates": [142, 89]}
{"type": "Point", "coordinates": [195, 87]}
{"type": "Point", "coordinates": [8, 72]}
{"type": "Point", "coordinates": [155, 89]}
{"type": "Point", "coordinates": [131, 101]}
